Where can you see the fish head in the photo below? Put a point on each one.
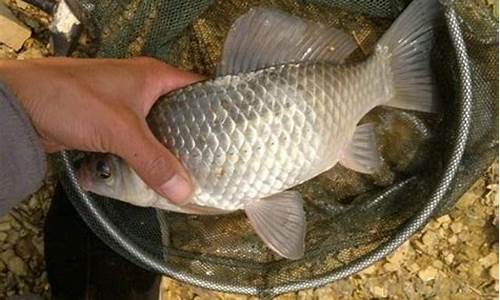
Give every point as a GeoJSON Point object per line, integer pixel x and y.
{"type": "Point", "coordinates": [102, 174]}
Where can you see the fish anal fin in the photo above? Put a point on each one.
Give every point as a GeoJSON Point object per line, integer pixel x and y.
{"type": "Point", "coordinates": [361, 154]}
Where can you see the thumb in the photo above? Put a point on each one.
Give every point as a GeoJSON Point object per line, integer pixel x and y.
{"type": "Point", "coordinates": [157, 166]}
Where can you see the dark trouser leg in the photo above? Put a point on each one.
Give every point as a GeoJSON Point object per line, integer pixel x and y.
{"type": "Point", "coordinates": [81, 266]}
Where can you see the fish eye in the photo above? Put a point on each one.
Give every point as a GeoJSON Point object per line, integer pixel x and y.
{"type": "Point", "coordinates": [103, 169]}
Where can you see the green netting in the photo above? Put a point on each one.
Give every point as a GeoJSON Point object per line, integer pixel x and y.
{"type": "Point", "coordinates": [353, 219]}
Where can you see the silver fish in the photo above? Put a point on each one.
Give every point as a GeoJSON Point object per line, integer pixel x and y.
{"type": "Point", "coordinates": [283, 109]}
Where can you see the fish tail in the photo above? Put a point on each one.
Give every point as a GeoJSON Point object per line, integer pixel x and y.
{"type": "Point", "coordinates": [408, 44]}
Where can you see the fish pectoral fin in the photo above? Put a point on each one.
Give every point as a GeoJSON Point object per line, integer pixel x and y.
{"type": "Point", "coordinates": [279, 220]}
{"type": "Point", "coordinates": [266, 37]}
{"type": "Point", "coordinates": [361, 154]}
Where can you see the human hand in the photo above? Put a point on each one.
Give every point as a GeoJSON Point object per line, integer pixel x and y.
{"type": "Point", "coordinates": [100, 105]}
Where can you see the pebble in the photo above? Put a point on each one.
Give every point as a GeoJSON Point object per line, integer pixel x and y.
{"type": "Point", "coordinates": [391, 267]}
{"type": "Point", "coordinates": [456, 227]}
{"type": "Point", "coordinates": [430, 238]}
{"type": "Point", "coordinates": [13, 33]}
{"type": "Point", "coordinates": [489, 260]}
{"type": "Point", "coordinates": [37, 242]}
{"type": "Point", "coordinates": [370, 270]}
{"type": "Point", "coordinates": [437, 264]}
{"type": "Point", "coordinates": [31, 53]}
{"type": "Point", "coordinates": [12, 237]}
{"type": "Point", "coordinates": [466, 200]}
{"type": "Point", "coordinates": [5, 226]}
{"type": "Point", "coordinates": [444, 219]}
{"type": "Point", "coordinates": [453, 240]}
{"type": "Point", "coordinates": [323, 293]}
{"type": "Point", "coordinates": [305, 294]}
{"type": "Point", "coordinates": [414, 267]}
{"type": "Point", "coordinates": [24, 248]}
{"type": "Point", "coordinates": [379, 291]}
{"type": "Point", "coordinates": [428, 274]}
{"type": "Point", "coordinates": [14, 263]}
{"type": "Point", "coordinates": [449, 258]}
{"type": "Point", "coordinates": [494, 271]}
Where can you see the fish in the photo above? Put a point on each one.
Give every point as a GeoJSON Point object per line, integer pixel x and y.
{"type": "Point", "coordinates": [283, 108]}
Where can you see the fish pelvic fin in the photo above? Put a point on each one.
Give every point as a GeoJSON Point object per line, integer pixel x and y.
{"type": "Point", "coordinates": [408, 44]}
{"type": "Point", "coordinates": [279, 221]}
{"type": "Point", "coordinates": [361, 154]}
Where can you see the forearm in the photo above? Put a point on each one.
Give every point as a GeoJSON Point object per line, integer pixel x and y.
{"type": "Point", "coordinates": [22, 159]}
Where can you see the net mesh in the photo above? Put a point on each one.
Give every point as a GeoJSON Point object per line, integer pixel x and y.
{"type": "Point", "coordinates": [352, 219]}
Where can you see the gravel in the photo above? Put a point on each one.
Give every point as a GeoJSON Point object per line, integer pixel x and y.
{"type": "Point", "coordinates": [454, 257]}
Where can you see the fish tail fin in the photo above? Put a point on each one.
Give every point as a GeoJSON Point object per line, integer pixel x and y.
{"type": "Point", "coordinates": [408, 44]}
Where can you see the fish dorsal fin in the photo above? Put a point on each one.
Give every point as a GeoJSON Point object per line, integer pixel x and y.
{"type": "Point", "coordinates": [279, 221]}
{"type": "Point", "coordinates": [265, 37]}
{"type": "Point", "coordinates": [361, 154]}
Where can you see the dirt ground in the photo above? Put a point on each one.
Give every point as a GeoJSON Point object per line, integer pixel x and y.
{"type": "Point", "coordinates": [454, 257]}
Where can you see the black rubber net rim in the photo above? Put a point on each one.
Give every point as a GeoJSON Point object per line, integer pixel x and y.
{"type": "Point", "coordinates": [118, 241]}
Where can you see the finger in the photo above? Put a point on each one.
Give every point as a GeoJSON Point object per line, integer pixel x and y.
{"type": "Point", "coordinates": [157, 167]}
{"type": "Point", "coordinates": [51, 147]}
{"type": "Point", "coordinates": [163, 78]}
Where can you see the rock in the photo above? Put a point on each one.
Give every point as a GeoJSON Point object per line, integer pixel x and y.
{"type": "Point", "coordinates": [428, 274]}
{"type": "Point", "coordinates": [323, 293]}
{"type": "Point", "coordinates": [444, 219]}
{"type": "Point", "coordinates": [305, 294]}
{"type": "Point", "coordinates": [378, 291]}
{"type": "Point", "coordinates": [489, 260]}
{"type": "Point", "coordinates": [369, 271]}
{"type": "Point", "coordinates": [12, 237]}
{"type": "Point", "coordinates": [437, 264]}
{"type": "Point", "coordinates": [7, 52]}
{"type": "Point", "coordinates": [466, 200]}
{"type": "Point", "coordinates": [6, 255]}
{"type": "Point", "coordinates": [37, 242]}
{"type": "Point", "coordinates": [391, 267]}
{"type": "Point", "coordinates": [494, 271]}
{"type": "Point", "coordinates": [456, 227]}
{"type": "Point", "coordinates": [5, 226]}
{"type": "Point", "coordinates": [24, 248]}
{"type": "Point", "coordinates": [31, 53]}
{"type": "Point", "coordinates": [22, 5]}
{"type": "Point", "coordinates": [13, 33]}
{"type": "Point", "coordinates": [449, 258]}
{"type": "Point", "coordinates": [430, 238]}
{"type": "Point", "coordinates": [3, 237]}
{"type": "Point", "coordinates": [14, 263]}
{"type": "Point", "coordinates": [398, 256]}
{"type": "Point", "coordinates": [453, 240]}
{"type": "Point", "coordinates": [17, 266]}
{"type": "Point", "coordinates": [414, 268]}
{"type": "Point", "coordinates": [2, 266]}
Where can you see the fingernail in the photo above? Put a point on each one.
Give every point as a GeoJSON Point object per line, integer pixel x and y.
{"type": "Point", "coordinates": [177, 190]}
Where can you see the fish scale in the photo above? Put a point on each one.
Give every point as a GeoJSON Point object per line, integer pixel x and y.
{"type": "Point", "coordinates": [249, 136]}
